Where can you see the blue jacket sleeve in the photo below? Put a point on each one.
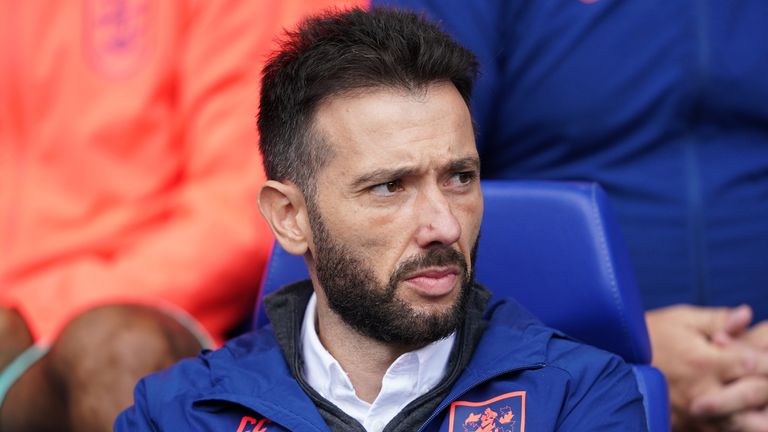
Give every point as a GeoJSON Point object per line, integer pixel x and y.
{"type": "Point", "coordinates": [606, 400]}
{"type": "Point", "coordinates": [137, 417]}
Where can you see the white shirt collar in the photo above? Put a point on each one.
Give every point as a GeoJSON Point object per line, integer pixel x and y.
{"type": "Point", "coordinates": [410, 376]}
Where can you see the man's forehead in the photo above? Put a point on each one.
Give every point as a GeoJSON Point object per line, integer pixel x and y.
{"type": "Point", "coordinates": [390, 126]}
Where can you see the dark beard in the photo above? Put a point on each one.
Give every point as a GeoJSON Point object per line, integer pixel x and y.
{"type": "Point", "coordinates": [374, 310]}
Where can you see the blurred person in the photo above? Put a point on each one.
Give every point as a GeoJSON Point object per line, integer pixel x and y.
{"type": "Point", "coordinates": [663, 104]}
{"type": "Point", "coordinates": [129, 173]}
{"type": "Point", "coordinates": [373, 171]}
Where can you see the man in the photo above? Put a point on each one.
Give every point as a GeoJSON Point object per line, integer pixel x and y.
{"type": "Point", "coordinates": [368, 143]}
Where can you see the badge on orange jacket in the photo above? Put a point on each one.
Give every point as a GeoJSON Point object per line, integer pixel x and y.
{"type": "Point", "coordinates": [116, 35]}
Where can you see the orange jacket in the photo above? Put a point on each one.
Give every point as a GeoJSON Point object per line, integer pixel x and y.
{"type": "Point", "coordinates": [129, 164]}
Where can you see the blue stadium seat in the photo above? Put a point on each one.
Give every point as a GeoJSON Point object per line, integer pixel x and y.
{"type": "Point", "coordinates": [556, 248]}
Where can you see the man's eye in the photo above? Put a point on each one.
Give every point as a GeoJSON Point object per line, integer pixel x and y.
{"type": "Point", "coordinates": [463, 178]}
{"type": "Point", "coordinates": [388, 188]}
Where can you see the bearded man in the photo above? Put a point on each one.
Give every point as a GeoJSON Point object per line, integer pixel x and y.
{"type": "Point", "coordinates": [369, 148]}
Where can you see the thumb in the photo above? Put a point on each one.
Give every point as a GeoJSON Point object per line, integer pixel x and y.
{"type": "Point", "coordinates": [735, 323]}
{"type": "Point", "coordinates": [738, 320]}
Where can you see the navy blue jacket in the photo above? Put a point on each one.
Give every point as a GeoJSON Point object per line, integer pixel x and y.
{"type": "Point", "coordinates": [521, 376]}
{"type": "Point", "coordinates": [662, 102]}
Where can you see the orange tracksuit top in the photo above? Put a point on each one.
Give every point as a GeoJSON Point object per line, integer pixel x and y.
{"type": "Point", "coordinates": [129, 163]}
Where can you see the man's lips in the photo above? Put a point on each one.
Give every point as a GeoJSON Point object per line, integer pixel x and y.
{"type": "Point", "coordinates": [434, 281]}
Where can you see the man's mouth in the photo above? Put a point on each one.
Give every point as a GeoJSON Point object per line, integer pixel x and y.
{"type": "Point", "coordinates": [434, 281]}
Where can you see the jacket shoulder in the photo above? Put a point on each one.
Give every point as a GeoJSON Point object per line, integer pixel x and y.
{"type": "Point", "coordinates": [166, 398]}
{"type": "Point", "coordinates": [598, 387]}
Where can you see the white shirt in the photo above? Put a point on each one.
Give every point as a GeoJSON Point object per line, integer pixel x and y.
{"type": "Point", "coordinates": [410, 376]}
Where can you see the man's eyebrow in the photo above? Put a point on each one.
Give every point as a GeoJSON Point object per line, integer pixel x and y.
{"type": "Point", "coordinates": [382, 175]}
{"type": "Point", "coordinates": [469, 163]}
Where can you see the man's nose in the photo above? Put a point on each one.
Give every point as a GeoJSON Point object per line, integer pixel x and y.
{"type": "Point", "coordinates": [437, 222]}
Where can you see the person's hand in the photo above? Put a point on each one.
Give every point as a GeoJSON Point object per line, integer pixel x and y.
{"type": "Point", "coordinates": [748, 394]}
{"type": "Point", "coordinates": [693, 348]}
{"type": "Point", "coordinates": [14, 336]}
{"type": "Point", "coordinates": [738, 406]}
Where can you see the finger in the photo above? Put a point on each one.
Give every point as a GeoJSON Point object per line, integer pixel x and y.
{"type": "Point", "coordinates": [748, 393]}
{"type": "Point", "coordinates": [722, 339]}
{"type": "Point", "coordinates": [737, 320]}
{"type": "Point", "coordinates": [750, 421]}
{"type": "Point", "coordinates": [738, 360]}
{"type": "Point", "coordinates": [710, 320]}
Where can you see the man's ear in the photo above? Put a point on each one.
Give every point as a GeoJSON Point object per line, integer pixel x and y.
{"type": "Point", "coordinates": [284, 208]}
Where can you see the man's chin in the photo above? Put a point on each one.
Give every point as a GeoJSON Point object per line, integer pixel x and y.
{"type": "Point", "coordinates": [430, 306]}
{"type": "Point", "coordinates": [414, 320]}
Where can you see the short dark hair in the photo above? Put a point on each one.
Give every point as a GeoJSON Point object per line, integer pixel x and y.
{"type": "Point", "coordinates": [339, 52]}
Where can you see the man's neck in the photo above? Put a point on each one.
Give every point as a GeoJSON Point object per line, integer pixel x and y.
{"type": "Point", "coordinates": [365, 360]}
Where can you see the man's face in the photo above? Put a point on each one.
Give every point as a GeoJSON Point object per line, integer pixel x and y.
{"type": "Point", "coordinates": [397, 211]}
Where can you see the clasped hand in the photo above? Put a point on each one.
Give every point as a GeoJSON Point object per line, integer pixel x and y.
{"type": "Point", "coordinates": [716, 367]}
